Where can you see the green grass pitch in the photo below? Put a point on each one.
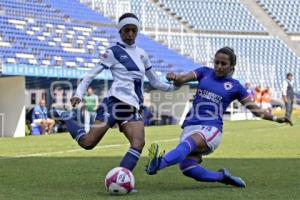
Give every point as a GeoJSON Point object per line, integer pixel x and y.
{"type": "Point", "coordinates": [265, 154]}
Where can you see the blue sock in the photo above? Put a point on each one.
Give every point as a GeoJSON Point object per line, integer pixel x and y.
{"type": "Point", "coordinates": [190, 168]}
{"type": "Point", "coordinates": [76, 131]}
{"type": "Point", "coordinates": [130, 159]}
{"type": "Point", "coordinates": [179, 153]}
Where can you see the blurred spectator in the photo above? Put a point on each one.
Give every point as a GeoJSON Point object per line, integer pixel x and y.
{"type": "Point", "coordinates": [40, 118]}
{"type": "Point", "coordinates": [258, 96]}
{"type": "Point", "coordinates": [90, 101]}
{"type": "Point", "coordinates": [288, 95]}
{"type": "Point", "coordinates": [266, 100]}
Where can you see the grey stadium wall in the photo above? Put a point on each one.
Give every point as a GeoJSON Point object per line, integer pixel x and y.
{"type": "Point", "coordinates": [12, 106]}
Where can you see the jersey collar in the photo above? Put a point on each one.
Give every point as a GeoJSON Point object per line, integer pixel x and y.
{"type": "Point", "coordinates": [229, 76]}
{"type": "Point", "coordinates": [124, 45]}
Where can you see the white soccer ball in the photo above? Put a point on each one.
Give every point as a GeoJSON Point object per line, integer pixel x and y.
{"type": "Point", "coordinates": [119, 181]}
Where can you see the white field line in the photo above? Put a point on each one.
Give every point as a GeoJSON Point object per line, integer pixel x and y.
{"type": "Point", "coordinates": [79, 149]}
{"type": "Point", "coordinates": [113, 146]}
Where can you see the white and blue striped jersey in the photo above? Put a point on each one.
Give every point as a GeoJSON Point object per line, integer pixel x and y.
{"type": "Point", "coordinates": [128, 64]}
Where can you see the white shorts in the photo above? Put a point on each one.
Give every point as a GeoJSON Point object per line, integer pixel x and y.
{"type": "Point", "coordinates": [266, 105]}
{"type": "Point", "coordinates": [37, 121]}
{"type": "Point", "coordinates": [210, 134]}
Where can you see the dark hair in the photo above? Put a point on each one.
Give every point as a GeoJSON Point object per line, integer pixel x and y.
{"type": "Point", "coordinates": [128, 15]}
{"type": "Point", "coordinates": [289, 74]}
{"type": "Point", "coordinates": [230, 52]}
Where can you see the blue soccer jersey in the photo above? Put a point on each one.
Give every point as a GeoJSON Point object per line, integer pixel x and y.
{"type": "Point", "coordinates": [212, 98]}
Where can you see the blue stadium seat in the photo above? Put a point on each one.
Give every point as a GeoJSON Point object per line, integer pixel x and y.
{"type": "Point", "coordinates": [285, 13]}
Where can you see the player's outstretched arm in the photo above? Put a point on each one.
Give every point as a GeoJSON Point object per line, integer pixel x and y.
{"type": "Point", "coordinates": [156, 83]}
{"type": "Point", "coordinates": [83, 85]}
{"type": "Point", "coordinates": [258, 112]}
{"type": "Point", "coordinates": [180, 79]}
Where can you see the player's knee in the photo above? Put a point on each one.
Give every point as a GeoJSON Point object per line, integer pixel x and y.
{"type": "Point", "coordinates": [186, 164]}
{"type": "Point", "coordinates": [138, 143]}
{"type": "Point", "coordinates": [87, 145]}
{"type": "Point", "coordinates": [183, 165]}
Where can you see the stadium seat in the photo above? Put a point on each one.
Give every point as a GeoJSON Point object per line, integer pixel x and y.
{"type": "Point", "coordinates": [284, 13]}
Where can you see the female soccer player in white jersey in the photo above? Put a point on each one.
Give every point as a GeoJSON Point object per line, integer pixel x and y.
{"type": "Point", "coordinates": [128, 64]}
{"type": "Point", "coordinates": [202, 128]}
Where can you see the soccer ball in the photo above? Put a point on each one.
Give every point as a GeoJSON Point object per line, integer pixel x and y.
{"type": "Point", "coordinates": [119, 181]}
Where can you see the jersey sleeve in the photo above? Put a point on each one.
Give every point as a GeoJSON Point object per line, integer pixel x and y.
{"type": "Point", "coordinates": [241, 93]}
{"type": "Point", "coordinates": [200, 72]}
{"type": "Point", "coordinates": [156, 83]}
{"type": "Point", "coordinates": [107, 59]}
{"type": "Point", "coordinates": [146, 61]}
{"type": "Point", "coordinates": [82, 87]}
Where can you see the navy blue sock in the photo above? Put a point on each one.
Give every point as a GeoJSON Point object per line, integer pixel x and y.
{"type": "Point", "coordinates": [190, 168]}
{"type": "Point", "coordinates": [130, 159]}
{"type": "Point", "coordinates": [179, 153]}
{"type": "Point", "coordinates": [76, 131]}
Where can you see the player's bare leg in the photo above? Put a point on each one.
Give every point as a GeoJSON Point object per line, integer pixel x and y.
{"type": "Point", "coordinates": [43, 125]}
{"type": "Point", "coordinates": [50, 124]}
{"type": "Point", "coordinates": [134, 132]}
{"type": "Point", "coordinates": [85, 140]}
{"type": "Point", "coordinates": [92, 138]}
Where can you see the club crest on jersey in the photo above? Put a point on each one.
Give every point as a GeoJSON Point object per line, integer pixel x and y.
{"type": "Point", "coordinates": [104, 55]}
{"type": "Point", "coordinates": [123, 57]}
{"type": "Point", "coordinates": [228, 85]}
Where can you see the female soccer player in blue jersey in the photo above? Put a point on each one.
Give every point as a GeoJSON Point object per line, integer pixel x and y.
{"type": "Point", "coordinates": [129, 65]}
{"type": "Point", "coordinates": [202, 128]}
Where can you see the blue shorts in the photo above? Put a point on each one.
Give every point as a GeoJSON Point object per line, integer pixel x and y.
{"type": "Point", "coordinates": [112, 111]}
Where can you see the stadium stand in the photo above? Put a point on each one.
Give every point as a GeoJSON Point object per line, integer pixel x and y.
{"type": "Point", "coordinates": [159, 18]}
{"type": "Point", "coordinates": [284, 12]}
{"type": "Point", "coordinates": [142, 8]}
{"type": "Point", "coordinates": [216, 15]}
{"type": "Point", "coordinates": [50, 33]}
{"type": "Point", "coordinates": [46, 36]}
{"type": "Point", "coordinates": [255, 48]}
{"type": "Point", "coordinates": [77, 11]}
{"type": "Point", "coordinates": [255, 61]}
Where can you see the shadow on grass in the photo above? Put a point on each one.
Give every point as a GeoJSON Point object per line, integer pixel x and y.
{"type": "Point", "coordinates": [83, 178]}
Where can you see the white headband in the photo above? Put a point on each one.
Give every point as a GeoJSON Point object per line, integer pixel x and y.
{"type": "Point", "coordinates": [128, 20]}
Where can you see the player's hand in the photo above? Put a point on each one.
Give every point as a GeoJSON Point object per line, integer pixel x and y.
{"type": "Point", "coordinates": [171, 76]}
{"type": "Point", "coordinates": [75, 101]}
{"type": "Point", "coordinates": [284, 120]}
